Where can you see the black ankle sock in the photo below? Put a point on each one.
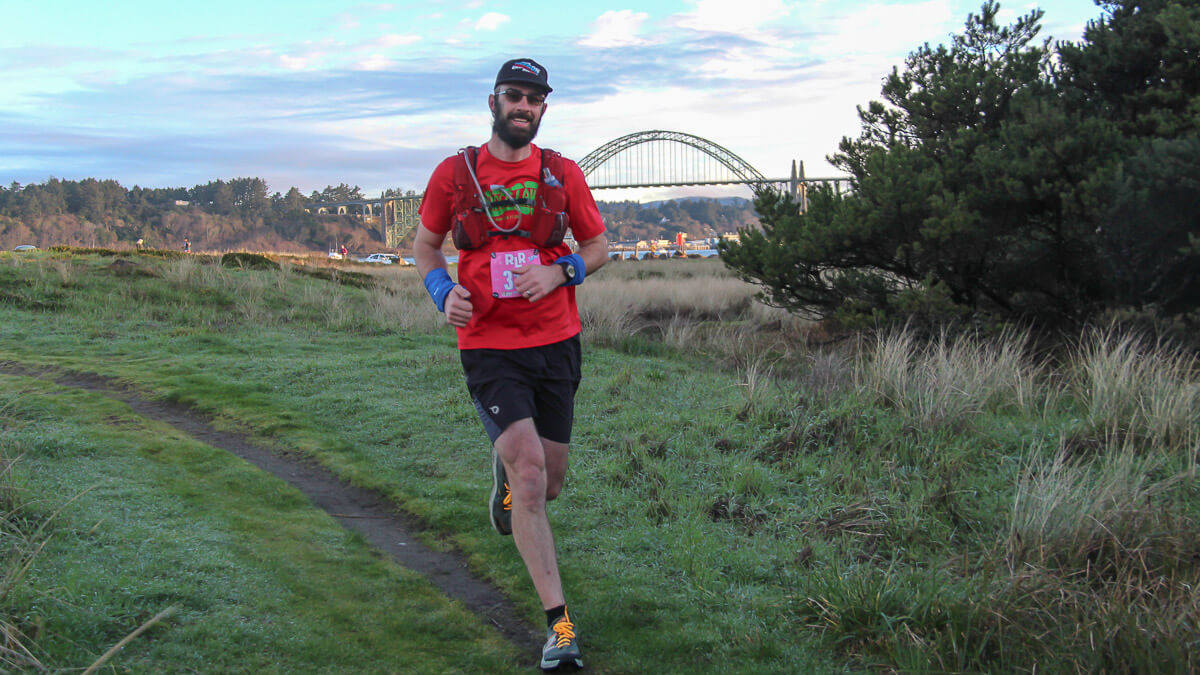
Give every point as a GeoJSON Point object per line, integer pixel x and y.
{"type": "Point", "coordinates": [554, 614]}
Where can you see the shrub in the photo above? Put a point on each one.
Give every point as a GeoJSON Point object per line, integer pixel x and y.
{"type": "Point", "coordinates": [244, 260]}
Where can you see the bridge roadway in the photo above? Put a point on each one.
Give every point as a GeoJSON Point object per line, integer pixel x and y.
{"type": "Point", "coordinates": [705, 163]}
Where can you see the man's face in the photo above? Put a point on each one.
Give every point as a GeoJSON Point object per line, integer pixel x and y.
{"type": "Point", "coordinates": [516, 123]}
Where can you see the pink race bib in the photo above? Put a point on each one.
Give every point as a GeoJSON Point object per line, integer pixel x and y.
{"type": "Point", "coordinates": [503, 264]}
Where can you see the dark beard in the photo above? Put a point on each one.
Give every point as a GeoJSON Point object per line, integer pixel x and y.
{"type": "Point", "coordinates": [513, 137]}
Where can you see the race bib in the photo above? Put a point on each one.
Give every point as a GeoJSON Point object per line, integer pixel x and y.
{"type": "Point", "coordinates": [503, 264]}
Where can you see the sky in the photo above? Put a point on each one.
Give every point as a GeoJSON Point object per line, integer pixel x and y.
{"type": "Point", "coordinates": [309, 94]}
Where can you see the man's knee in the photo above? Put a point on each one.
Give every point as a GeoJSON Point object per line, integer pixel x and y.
{"type": "Point", "coordinates": [528, 484]}
{"type": "Point", "coordinates": [556, 466]}
{"type": "Point", "coordinates": [518, 441]}
{"type": "Point", "coordinates": [524, 458]}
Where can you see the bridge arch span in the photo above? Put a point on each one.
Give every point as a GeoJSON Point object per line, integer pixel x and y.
{"type": "Point", "coordinates": [633, 168]}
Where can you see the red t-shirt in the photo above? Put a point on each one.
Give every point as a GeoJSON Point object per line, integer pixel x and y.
{"type": "Point", "coordinates": [511, 322]}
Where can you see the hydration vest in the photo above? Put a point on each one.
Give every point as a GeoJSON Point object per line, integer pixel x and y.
{"type": "Point", "coordinates": [544, 227]}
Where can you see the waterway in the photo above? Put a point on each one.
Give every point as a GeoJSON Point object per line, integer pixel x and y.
{"type": "Point", "coordinates": [692, 253]}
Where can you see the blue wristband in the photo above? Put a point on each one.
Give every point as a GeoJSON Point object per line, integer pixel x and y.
{"type": "Point", "coordinates": [577, 263]}
{"type": "Point", "coordinates": [439, 284]}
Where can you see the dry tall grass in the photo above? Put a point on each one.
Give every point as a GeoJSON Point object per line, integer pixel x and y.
{"type": "Point", "coordinates": [1080, 515]}
{"type": "Point", "coordinates": [1129, 387]}
{"type": "Point", "coordinates": [403, 303]}
{"type": "Point", "coordinates": [949, 378]}
{"type": "Point", "coordinates": [692, 305]}
{"type": "Point", "coordinates": [188, 270]}
{"type": "Point", "coordinates": [1103, 557]}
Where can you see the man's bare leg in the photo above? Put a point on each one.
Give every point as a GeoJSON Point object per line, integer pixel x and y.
{"type": "Point", "coordinates": [535, 468]}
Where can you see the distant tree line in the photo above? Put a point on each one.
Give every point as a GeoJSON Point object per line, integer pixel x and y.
{"type": "Point", "coordinates": [242, 213]}
{"type": "Point", "coordinates": [628, 220]}
{"type": "Point", "coordinates": [238, 213]}
{"type": "Point", "coordinates": [1006, 178]}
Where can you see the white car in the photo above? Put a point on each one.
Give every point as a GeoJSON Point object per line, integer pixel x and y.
{"type": "Point", "coordinates": [25, 247]}
{"type": "Point", "coordinates": [381, 258]}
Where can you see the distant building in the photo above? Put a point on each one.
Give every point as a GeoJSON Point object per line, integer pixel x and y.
{"type": "Point", "coordinates": [182, 202]}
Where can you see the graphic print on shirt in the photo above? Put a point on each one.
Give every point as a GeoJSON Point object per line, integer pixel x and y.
{"type": "Point", "coordinates": [506, 209]}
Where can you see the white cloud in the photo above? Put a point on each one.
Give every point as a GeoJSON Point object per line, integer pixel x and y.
{"type": "Point", "coordinates": [890, 29]}
{"type": "Point", "coordinates": [375, 62]}
{"type": "Point", "coordinates": [733, 16]}
{"type": "Point", "coordinates": [397, 40]}
{"type": "Point", "coordinates": [616, 28]}
{"type": "Point", "coordinates": [750, 64]}
{"type": "Point", "coordinates": [294, 62]}
{"type": "Point", "coordinates": [491, 21]}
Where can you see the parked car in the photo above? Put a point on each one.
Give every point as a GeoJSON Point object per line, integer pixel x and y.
{"type": "Point", "coordinates": [25, 247]}
{"type": "Point", "coordinates": [334, 255]}
{"type": "Point", "coordinates": [381, 258]}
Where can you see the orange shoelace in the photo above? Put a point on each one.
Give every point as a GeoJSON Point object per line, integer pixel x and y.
{"type": "Point", "coordinates": [566, 632]}
{"type": "Point", "coordinates": [507, 498]}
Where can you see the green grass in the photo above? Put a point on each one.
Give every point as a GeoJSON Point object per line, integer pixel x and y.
{"type": "Point", "coordinates": [257, 579]}
{"type": "Point", "coordinates": [737, 501]}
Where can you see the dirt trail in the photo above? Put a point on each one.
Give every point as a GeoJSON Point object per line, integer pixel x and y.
{"type": "Point", "coordinates": [359, 510]}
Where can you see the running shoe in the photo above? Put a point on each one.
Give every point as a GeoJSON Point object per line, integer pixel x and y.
{"type": "Point", "coordinates": [562, 649]}
{"type": "Point", "coordinates": [501, 500]}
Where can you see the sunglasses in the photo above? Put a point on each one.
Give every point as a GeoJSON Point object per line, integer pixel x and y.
{"type": "Point", "coordinates": [515, 96]}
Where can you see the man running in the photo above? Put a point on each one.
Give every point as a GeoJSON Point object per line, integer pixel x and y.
{"type": "Point", "coordinates": [507, 206]}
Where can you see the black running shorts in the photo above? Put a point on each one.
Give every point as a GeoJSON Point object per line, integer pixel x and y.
{"type": "Point", "coordinates": [507, 385]}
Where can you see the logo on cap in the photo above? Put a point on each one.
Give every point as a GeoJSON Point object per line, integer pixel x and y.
{"type": "Point", "coordinates": [527, 67]}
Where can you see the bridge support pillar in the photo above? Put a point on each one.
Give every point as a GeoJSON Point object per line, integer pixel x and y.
{"type": "Point", "coordinates": [386, 207]}
{"type": "Point", "coordinates": [799, 187]}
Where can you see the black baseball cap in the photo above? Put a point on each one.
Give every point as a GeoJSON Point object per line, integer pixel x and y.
{"type": "Point", "coordinates": [524, 71]}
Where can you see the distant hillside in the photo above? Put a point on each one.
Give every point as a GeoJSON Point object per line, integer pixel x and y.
{"type": "Point", "coordinates": [724, 201]}
{"type": "Point", "coordinates": [695, 216]}
{"type": "Point", "coordinates": [233, 215]}
{"type": "Point", "coordinates": [241, 214]}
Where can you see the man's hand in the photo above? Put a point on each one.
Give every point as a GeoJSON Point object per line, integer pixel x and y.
{"type": "Point", "coordinates": [537, 281]}
{"type": "Point", "coordinates": [458, 307]}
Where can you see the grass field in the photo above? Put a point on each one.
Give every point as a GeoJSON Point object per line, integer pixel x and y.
{"type": "Point", "coordinates": [740, 499]}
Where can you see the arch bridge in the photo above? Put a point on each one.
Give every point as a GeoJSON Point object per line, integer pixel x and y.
{"type": "Point", "coordinates": [396, 215]}
{"type": "Point", "coordinates": [675, 159]}
{"type": "Point", "coordinates": [639, 160]}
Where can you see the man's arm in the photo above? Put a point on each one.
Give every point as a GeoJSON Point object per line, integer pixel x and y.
{"type": "Point", "coordinates": [427, 253]}
{"type": "Point", "coordinates": [537, 281]}
{"type": "Point", "coordinates": [594, 252]}
{"type": "Point", "coordinates": [427, 250]}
